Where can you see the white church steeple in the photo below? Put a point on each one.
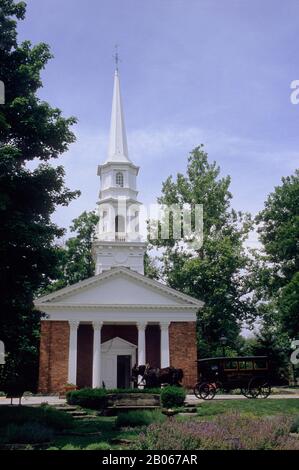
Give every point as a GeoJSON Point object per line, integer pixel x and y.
{"type": "Point", "coordinates": [118, 147]}
{"type": "Point", "coordinates": [118, 241]}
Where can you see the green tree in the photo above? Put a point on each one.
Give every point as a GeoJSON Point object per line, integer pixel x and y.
{"type": "Point", "coordinates": [215, 273]}
{"type": "Point", "coordinates": [288, 305]}
{"type": "Point", "coordinates": [279, 231]}
{"type": "Point", "coordinates": [150, 268]}
{"type": "Point", "coordinates": [75, 257]}
{"type": "Point", "coordinates": [268, 341]}
{"type": "Point", "coordinates": [277, 266]}
{"type": "Point", "coordinates": [30, 129]}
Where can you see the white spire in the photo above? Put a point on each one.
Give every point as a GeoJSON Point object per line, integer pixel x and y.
{"type": "Point", "coordinates": [118, 148]}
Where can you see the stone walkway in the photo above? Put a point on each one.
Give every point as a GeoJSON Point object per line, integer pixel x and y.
{"type": "Point", "coordinates": [191, 399]}
{"type": "Point", "coordinates": [35, 400]}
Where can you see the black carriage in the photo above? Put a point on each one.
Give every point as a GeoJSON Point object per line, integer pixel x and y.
{"type": "Point", "coordinates": [250, 374]}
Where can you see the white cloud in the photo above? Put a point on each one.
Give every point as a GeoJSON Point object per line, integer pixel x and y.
{"type": "Point", "coordinates": [163, 148]}
{"type": "Point", "coordinates": [156, 142]}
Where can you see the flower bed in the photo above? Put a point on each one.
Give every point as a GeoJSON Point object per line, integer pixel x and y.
{"type": "Point", "coordinates": [226, 432]}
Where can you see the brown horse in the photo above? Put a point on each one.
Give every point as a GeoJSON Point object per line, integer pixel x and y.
{"type": "Point", "coordinates": [155, 377]}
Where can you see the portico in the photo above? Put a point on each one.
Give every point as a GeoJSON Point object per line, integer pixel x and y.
{"type": "Point", "coordinates": [139, 356]}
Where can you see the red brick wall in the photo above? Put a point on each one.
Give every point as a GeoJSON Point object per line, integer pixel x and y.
{"type": "Point", "coordinates": [54, 350]}
{"type": "Point", "coordinates": [152, 345]}
{"type": "Point", "coordinates": [126, 332]}
{"type": "Point", "coordinates": [183, 350]}
{"type": "Point", "coordinates": [84, 356]}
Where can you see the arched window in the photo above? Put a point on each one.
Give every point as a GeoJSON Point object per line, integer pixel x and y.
{"type": "Point", "coordinates": [119, 179]}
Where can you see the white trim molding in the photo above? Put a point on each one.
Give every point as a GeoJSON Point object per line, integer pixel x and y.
{"type": "Point", "coordinates": [151, 283]}
{"type": "Point", "coordinates": [96, 360]}
{"type": "Point", "coordinates": [164, 327]}
{"type": "Point", "coordinates": [119, 316]}
{"type": "Point", "coordinates": [72, 361]}
{"type": "Point", "coordinates": [141, 325]}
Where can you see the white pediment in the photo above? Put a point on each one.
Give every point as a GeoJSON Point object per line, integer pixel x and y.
{"type": "Point", "coordinates": [118, 345]}
{"type": "Point", "coordinates": [118, 286]}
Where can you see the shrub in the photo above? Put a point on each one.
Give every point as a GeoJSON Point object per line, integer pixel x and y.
{"type": "Point", "coordinates": [98, 446]}
{"type": "Point", "coordinates": [138, 418]}
{"type": "Point", "coordinates": [93, 398]}
{"type": "Point", "coordinates": [172, 397]}
{"type": "Point", "coordinates": [70, 447]}
{"type": "Point", "coordinates": [27, 433]}
{"type": "Point", "coordinates": [44, 414]}
{"type": "Point", "coordinates": [56, 419]}
{"type": "Point", "coordinates": [135, 390]}
{"type": "Point", "coordinates": [295, 425]}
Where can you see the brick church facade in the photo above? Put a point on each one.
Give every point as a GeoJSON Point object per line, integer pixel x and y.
{"type": "Point", "coordinates": [54, 351]}
{"type": "Point", "coordinates": [96, 330]}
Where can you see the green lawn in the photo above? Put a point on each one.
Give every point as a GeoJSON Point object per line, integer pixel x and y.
{"type": "Point", "coordinates": [102, 424]}
{"type": "Point", "coordinates": [207, 410]}
{"type": "Point", "coordinates": [71, 434]}
{"type": "Point", "coordinates": [257, 407]}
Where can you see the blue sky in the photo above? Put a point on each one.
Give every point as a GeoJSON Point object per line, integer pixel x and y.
{"type": "Point", "coordinates": [216, 72]}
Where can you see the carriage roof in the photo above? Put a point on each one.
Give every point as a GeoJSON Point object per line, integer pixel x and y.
{"type": "Point", "coordinates": [235, 358]}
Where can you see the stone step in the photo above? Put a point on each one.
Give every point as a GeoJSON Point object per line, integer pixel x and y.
{"type": "Point", "coordinates": [117, 440]}
{"type": "Point", "coordinates": [76, 433]}
{"type": "Point", "coordinates": [133, 407]}
{"type": "Point", "coordinates": [114, 410]}
{"type": "Point", "coordinates": [86, 416]}
{"type": "Point", "coordinates": [65, 408]}
{"type": "Point", "coordinates": [189, 411]}
{"type": "Point", "coordinates": [77, 413]}
{"type": "Point", "coordinates": [189, 405]}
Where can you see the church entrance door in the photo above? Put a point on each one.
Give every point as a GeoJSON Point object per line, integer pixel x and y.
{"type": "Point", "coordinates": [118, 356]}
{"type": "Point", "coordinates": [123, 371]}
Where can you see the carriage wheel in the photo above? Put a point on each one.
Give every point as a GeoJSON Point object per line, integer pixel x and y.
{"type": "Point", "coordinates": [196, 390]}
{"type": "Point", "coordinates": [206, 391]}
{"type": "Point", "coordinates": [265, 390]}
{"type": "Point", "coordinates": [246, 392]}
{"type": "Point", "coordinates": [254, 387]}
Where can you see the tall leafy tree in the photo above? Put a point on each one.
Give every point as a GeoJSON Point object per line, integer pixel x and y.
{"type": "Point", "coordinates": [75, 257]}
{"type": "Point", "coordinates": [274, 344]}
{"type": "Point", "coordinates": [279, 230]}
{"type": "Point", "coordinates": [30, 130]}
{"type": "Point", "coordinates": [288, 306]}
{"type": "Point", "coordinates": [277, 275]}
{"type": "Point", "coordinates": [216, 272]}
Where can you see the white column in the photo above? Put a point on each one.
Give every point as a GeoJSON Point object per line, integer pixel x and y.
{"type": "Point", "coordinates": [164, 327]}
{"type": "Point", "coordinates": [141, 343]}
{"type": "Point", "coordinates": [96, 362]}
{"type": "Point", "coordinates": [72, 369]}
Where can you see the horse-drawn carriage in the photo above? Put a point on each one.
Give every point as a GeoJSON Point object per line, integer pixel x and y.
{"type": "Point", "coordinates": [250, 374]}
{"type": "Point", "coordinates": [151, 377]}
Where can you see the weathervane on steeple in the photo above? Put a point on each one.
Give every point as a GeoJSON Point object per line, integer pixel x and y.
{"type": "Point", "coordinates": [116, 57]}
